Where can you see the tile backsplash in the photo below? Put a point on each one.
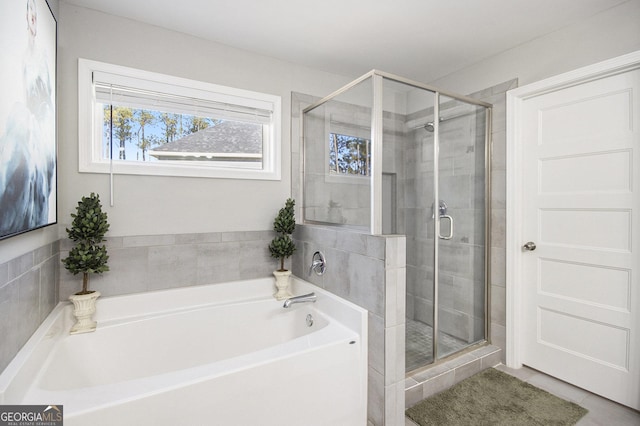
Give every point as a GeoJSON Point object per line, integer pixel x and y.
{"type": "Point", "coordinates": [32, 284]}
{"type": "Point", "coordinates": [28, 293]}
{"type": "Point", "coordinates": [158, 262]}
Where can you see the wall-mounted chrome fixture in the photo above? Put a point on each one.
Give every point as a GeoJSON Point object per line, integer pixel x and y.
{"type": "Point", "coordinates": [430, 126]}
{"type": "Point", "coordinates": [318, 263]}
{"type": "Point", "coordinates": [442, 209]}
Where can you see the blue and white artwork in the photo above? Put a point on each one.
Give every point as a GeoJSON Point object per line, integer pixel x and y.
{"type": "Point", "coordinates": [27, 116]}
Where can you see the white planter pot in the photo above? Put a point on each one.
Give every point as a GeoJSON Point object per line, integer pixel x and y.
{"type": "Point", "coordinates": [84, 307]}
{"type": "Point", "coordinates": [283, 280]}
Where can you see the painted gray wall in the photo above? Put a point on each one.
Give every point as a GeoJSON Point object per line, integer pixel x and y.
{"type": "Point", "coordinates": [606, 35]}
{"type": "Point", "coordinates": [148, 205]}
{"type": "Point", "coordinates": [603, 36]}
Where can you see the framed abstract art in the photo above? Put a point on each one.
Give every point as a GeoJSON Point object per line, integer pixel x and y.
{"type": "Point", "coordinates": [28, 178]}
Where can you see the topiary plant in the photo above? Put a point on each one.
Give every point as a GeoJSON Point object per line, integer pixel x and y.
{"type": "Point", "coordinates": [282, 246]}
{"type": "Point", "coordinates": [87, 230]}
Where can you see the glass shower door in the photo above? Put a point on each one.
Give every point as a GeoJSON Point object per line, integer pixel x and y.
{"type": "Point", "coordinates": [460, 275]}
{"type": "Point", "coordinates": [408, 155]}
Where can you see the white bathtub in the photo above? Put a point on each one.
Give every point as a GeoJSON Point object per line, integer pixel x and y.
{"type": "Point", "coordinates": [224, 354]}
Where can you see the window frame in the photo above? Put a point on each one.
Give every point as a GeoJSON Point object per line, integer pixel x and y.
{"type": "Point", "coordinates": [90, 134]}
{"type": "Point", "coordinates": [338, 124]}
{"type": "Point", "coordinates": [359, 140]}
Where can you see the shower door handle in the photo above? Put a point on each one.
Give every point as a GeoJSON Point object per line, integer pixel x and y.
{"type": "Point", "coordinates": [450, 236]}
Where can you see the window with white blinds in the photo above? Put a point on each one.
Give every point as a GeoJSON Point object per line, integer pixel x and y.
{"type": "Point", "coordinates": [139, 122]}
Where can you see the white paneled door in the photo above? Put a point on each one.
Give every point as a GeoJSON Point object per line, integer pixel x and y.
{"type": "Point", "coordinates": [579, 252]}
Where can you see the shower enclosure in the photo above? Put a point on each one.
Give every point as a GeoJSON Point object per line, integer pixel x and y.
{"type": "Point", "coordinates": [387, 155]}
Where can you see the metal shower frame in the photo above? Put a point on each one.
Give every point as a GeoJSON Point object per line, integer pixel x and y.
{"type": "Point", "coordinates": [376, 172]}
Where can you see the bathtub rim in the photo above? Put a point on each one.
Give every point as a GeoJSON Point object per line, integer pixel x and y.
{"type": "Point", "coordinates": [123, 392]}
{"type": "Point", "coordinates": [22, 372]}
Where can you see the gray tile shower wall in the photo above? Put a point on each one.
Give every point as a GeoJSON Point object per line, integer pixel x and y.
{"type": "Point", "coordinates": [157, 262]}
{"type": "Point", "coordinates": [496, 95]}
{"type": "Point", "coordinates": [331, 197]}
{"type": "Point", "coordinates": [459, 256]}
{"type": "Point", "coordinates": [368, 270]}
{"type": "Point", "coordinates": [28, 293]}
{"type": "Point", "coordinates": [461, 187]}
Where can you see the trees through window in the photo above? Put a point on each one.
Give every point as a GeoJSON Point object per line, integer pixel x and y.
{"type": "Point", "coordinates": [137, 134]}
{"type": "Point", "coordinates": [349, 155]}
{"type": "Point", "coordinates": [138, 122]}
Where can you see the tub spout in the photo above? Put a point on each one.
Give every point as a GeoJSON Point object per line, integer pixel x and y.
{"type": "Point", "coordinates": [308, 298]}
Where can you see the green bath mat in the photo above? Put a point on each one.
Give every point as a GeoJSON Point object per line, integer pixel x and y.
{"type": "Point", "coordinates": [493, 398]}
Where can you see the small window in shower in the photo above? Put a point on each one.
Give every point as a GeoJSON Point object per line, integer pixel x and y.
{"type": "Point", "coordinates": [349, 155]}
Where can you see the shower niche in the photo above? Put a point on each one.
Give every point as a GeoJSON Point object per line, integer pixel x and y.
{"type": "Point", "coordinates": [387, 155]}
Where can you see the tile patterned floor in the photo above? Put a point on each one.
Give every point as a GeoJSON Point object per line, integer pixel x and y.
{"type": "Point", "coordinates": [419, 344]}
{"type": "Point", "coordinates": [602, 412]}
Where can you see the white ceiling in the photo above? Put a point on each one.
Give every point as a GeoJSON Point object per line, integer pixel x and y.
{"type": "Point", "coordinates": [419, 39]}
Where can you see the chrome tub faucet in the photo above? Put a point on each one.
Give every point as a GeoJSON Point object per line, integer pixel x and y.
{"type": "Point", "coordinates": [305, 298]}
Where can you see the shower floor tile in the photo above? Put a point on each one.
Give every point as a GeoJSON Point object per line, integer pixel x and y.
{"type": "Point", "coordinates": [419, 344]}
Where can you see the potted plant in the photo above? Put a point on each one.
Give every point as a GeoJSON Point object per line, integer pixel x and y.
{"type": "Point", "coordinates": [87, 256]}
{"type": "Point", "coordinates": [282, 247]}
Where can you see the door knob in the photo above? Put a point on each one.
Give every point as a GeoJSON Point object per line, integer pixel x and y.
{"type": "Point", "coordinates": [530, 246]}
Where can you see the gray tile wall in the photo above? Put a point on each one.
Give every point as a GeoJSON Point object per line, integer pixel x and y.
{"type": "Point", "coordinates": [408, 196]}
{"type": "Point", "coordinates": [32, 284]}
{"type": "Point", "coordinates": [440, 377]}
{"type": "Point", "coordinates": [459, 257]}
{"type": "Point", "coordinates": [461, 266]}
{"type": "Point", "coordinates": [497, 96]}
{"type": "Point", "coordinates": [28, 293]}
{"type": "Point", "coordinates": [365, 269]}
{"type": "Point", "coordinates": [156, 262]}
{"type": "Point", "coordinates": [368, 270]}
{"type": "Point", "coordinates": [332, 198]}
{"type": "Point", "coordinates": [335, 199]}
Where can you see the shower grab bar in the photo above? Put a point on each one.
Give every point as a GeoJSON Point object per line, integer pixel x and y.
{"type": "Point", "coordinates": [450, 236]}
